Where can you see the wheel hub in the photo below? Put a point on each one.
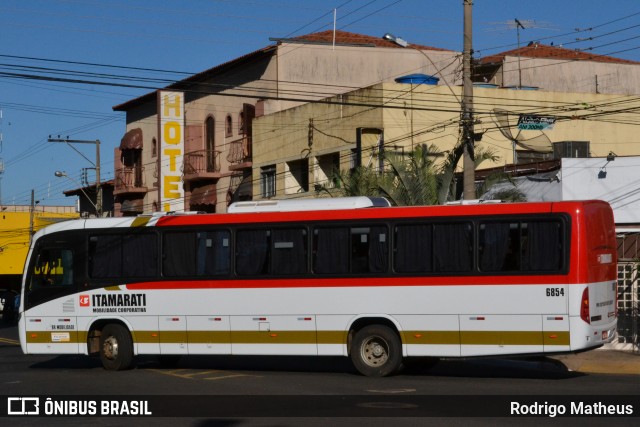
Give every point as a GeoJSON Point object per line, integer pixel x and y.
{"type": "Point", "coordinates": [375, 352]}
{"type": "Point", "coordinates": [110, 348]}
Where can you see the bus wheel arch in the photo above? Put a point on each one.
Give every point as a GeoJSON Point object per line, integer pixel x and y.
{"type": "Point", "coordinates": [375, 347]}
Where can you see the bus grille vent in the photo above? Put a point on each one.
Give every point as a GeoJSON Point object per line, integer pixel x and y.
{"type": "Point", "coordinates": [68, 306]}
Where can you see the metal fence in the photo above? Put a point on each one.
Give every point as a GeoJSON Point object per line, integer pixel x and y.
{"type": "Point", "coordinates": [628, 305]}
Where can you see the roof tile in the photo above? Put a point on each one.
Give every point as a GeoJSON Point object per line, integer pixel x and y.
{"type": "Point", "coordinates": [537, 50]}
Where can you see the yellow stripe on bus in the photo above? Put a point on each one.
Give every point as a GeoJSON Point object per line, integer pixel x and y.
{"type": "Point", "coordinates": [140, 221]}
{"type": "Point", "coordinates": [320, 337]}
{"type": "Point", "coordinates": [48, 337]}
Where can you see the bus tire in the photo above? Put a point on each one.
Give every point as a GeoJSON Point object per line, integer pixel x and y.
{"type": "Point", "coordinates": [116, 348]}
{"type": "Point", "coordinates": [376, 351]}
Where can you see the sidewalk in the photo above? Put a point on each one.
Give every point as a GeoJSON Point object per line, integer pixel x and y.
{"type": "Point", "coordinates": [602, 362]}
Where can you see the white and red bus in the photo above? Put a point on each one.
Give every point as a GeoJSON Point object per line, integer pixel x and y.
{"type": "Point", "coordinates": [351, 277]}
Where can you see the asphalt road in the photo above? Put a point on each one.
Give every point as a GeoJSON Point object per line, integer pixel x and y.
{"type": "Point", "coordinates": [291, 391]}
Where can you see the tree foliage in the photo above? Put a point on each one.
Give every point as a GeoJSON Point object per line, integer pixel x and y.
{"type": "Point", "coordinates": [407, 179]}
{"type": "Point", "coordinates": [411, 180]}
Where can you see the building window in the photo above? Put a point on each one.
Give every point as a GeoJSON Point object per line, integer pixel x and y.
{"type": "Point", "coordinates": [570, 149]}
{"type": "Point", "coordinates": [228, 126]}
{"type": "Point", "coordinates": [296, 178]}
{"type": "Point", "coordinates": [210, 141]}
{"type": "Point", "coordinates": [241, 125]}
{"type": "Point", "coordinates": [326, 172]}
{"type": "Point", "coordinates": [154, 147]}
{"type": "Point", "coordinates": [268, 181]}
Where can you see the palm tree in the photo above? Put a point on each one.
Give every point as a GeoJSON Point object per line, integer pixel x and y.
{"type": "Point", "coordinates": [412, 179]}
{"type": "Point", "coordinates": [448, 168]}
{"type": "Point", "coordinates": [409, 179]}
{"type": "Point", "coordinates": [509, 193]}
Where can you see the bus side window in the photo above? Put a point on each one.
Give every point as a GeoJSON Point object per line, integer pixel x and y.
{"type": "Point", "coordinates": [331, 250]}
{"type": "Point", "coordinates": [105, 256]}
{"type": "Point", "coordinates": [252, 252]}
{"type": "Point", "coordinates": [179, 254]}
{"type": "Point", "coordinates": [499, 246]}
{"type": "Point", "coordinates": [413, 253]}
{"type": "Point", "coordinates": [140, 255]}
{"type": "Point", "coordinates": [542, 246]}
{"type": "Point", "coordinates": [213, 253]}
{"type": "Point", "coordinates": [452, 247]}
{"type": "Point", "coordinates": [369, 249]}
{"type": "Point", "coordinates": [289, 251]}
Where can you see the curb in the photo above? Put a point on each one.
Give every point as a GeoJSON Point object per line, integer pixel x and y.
{"type": "Point", "coordinates": [602, 362]}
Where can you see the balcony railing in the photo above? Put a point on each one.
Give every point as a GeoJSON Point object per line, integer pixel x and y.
{"type": "Point", "coordinates": [240, 153]}
{"type": "Point", "coordinates": [201, 164]}
{"type": "Point", "coordinates": [129, 179]}
{"type": "Point", "coordinates": [201, 161]}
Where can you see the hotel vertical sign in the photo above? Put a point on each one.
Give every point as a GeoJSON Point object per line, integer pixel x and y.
{"type": "Point", "coordinates": [171, 132]}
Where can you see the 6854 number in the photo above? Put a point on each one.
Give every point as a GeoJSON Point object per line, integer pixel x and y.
{"type": "Point", "coordinates": [555, 292]}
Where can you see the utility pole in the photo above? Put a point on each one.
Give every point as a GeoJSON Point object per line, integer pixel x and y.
{"type": "Point", "coordinates": [96, 165]}
{"type": "Point", "coordinates": [518, 26]}
{"type": "Point", "coordinates": [468, 174]}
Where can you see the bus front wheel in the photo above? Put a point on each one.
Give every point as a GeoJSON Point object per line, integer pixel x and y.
{"type": "Point", "coordinates": [116, 348]}
{"type": "Point", "coordinates": [376, 351]}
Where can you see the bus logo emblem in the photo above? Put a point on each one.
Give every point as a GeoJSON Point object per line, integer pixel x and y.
{"type": "Point", "coordinates": [84, 301]}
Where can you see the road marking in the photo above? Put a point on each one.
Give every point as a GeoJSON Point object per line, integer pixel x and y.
{"type": "Point", "coordinates": [230, 376]}
{"type": "Point", "coordinates": [194, 374]}
{"type": "Point", "coordinates": [190, 374]}
{"type": "Point", "coordinates": [9, 341]}
{"type": "Point", "coordinates": [393, 390]}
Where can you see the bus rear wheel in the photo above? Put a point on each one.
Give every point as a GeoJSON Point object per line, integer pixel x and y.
{"type": "Point", "coordinates": [116, 348]}
{"type": "Point", "coordinates": [376, 351]}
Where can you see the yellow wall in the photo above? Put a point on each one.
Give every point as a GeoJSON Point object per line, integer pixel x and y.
{"type": "Point", "coordinates": [14, 234]}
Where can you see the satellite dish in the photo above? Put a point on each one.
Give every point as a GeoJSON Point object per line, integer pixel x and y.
{"type": "Point", "coordinates": [539, 143]}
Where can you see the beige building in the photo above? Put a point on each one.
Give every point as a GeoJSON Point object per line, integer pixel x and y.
{"type": "Point", "coordinates": [297, 150]}
{"type": "Point", "coordinates": [555, 68]}
{"type": "Point", "coordinates": [313, 115]}
{"type": "Point", "coordinates": [221, 103]}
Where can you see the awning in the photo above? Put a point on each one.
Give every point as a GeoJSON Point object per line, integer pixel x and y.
{"type": "Point", "coordinates": [135, 205]}
{"type": "Point", "coordinates": [205, 195]}
{"type": "Point", "coordinates": [132, 140]}
{"type": "Point", "coordinates": [245, 189]}
{"type": "Point", "coordinates": [243, 192]}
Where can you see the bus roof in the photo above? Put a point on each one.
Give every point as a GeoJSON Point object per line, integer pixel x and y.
{"type": "Point", "coordinates": [323, 204]}
{"type": "Point", "coordinates": [319, 209]}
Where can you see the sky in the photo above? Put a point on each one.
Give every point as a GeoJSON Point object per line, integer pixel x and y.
{"type": "Point", "coordinates": [110, 52]}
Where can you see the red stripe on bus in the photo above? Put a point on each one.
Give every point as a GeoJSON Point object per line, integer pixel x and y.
{"type": "Point", "coordinates": [346, 283]}
{"type": "Point", "coordinates": [387, 213]}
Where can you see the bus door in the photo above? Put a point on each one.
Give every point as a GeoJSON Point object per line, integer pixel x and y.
{"type": "Point", "coordinates": [51, 301]}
